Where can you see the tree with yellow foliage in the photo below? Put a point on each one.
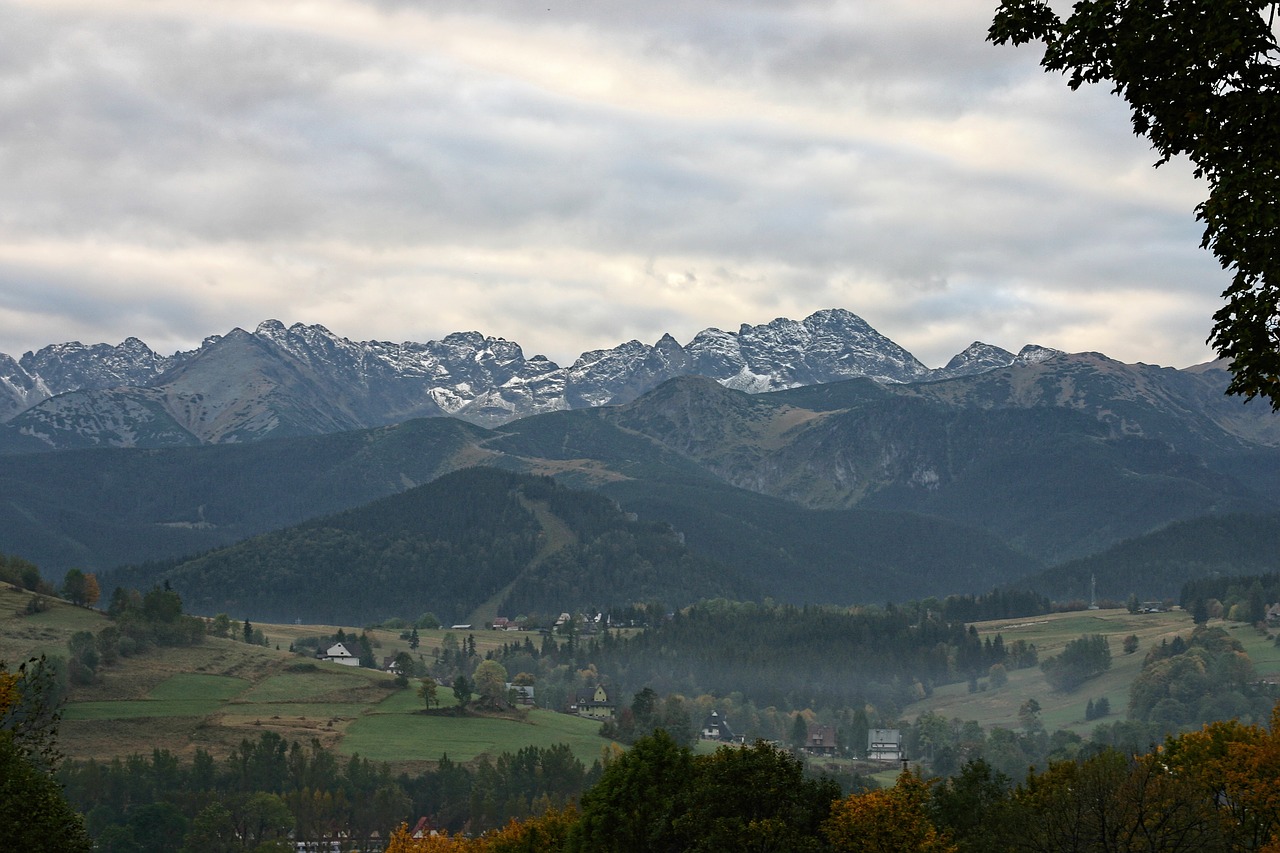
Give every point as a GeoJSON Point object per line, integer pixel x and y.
{"type": "Point", "coordinates": [402, 842]}
{"type": "Point", "coordinates": [893, 820]}
{"type": "Point", "coordinates": [92, 591]}
{"type": "Point", "coordinates": [544, 833]}
{"type": "Point", "coordinates": [1237, 769]}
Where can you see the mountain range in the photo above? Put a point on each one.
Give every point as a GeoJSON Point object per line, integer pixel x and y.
{"type": "Point", "coordinates": [873, 487]}
{"type": "Point", "coordinates": [304, 380]}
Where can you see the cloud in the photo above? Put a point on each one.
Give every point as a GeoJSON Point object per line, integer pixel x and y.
{"type": "Point", "coordinates": [570, 175]}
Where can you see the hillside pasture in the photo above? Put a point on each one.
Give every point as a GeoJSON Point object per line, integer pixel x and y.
{"type": "Point", "coordinates": [216, 694]}
{"type": "Point", "coordinates": [1050, 633]}
{"type": "Point", "coordinates": [396, 734]}
{"type": "Point", "coordinates": [23, 636]}
{"type": "Point", "coordinates": [181, 695]}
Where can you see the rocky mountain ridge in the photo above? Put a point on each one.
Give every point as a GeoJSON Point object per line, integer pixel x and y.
{"type": "Point", "coordinates": [1054, 460]}
{"type": "Point", "coordinates": [282, 381]}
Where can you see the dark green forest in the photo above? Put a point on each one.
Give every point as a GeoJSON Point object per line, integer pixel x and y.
{"type": "Point", "coordinates": [1157, 565]}
{"type": "Point", "coordinates": [447, 547]}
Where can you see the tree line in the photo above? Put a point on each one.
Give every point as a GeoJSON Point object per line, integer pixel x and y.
{"type": "Point", "coordinates": [271, 790]}
{"type": "Point", "coordinates": [1208, 791]}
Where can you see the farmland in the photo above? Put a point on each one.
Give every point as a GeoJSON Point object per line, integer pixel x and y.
{"type": "Point", "coordinates": [998, 706]}
{"type": "Point", "coordinates": [214, 695]}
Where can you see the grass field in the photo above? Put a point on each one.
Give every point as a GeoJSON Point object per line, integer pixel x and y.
{"type": "Point", "coordinates": [1050, 634]}
{"type": "Point", "coordinates": [216, 694]}
{"type": "Point", "coordinates": [405, 735]}
{"type": "Point", "coordinates": [181, 695]}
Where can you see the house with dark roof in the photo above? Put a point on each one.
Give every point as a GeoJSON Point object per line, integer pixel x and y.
{"type": "Point", "coordinates": [716, 727]}
{"type": "Point", "coordinates": [521, 694]}
{"type": "Point", "coordinates": [338, 653]}
{"type": "Point", "coordinates": [595, 704]}
{"type": "Point", "coordinates": [820, 740]}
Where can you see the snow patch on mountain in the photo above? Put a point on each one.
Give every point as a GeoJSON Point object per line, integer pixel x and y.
{"type": "Point", "coordinates": [304, 378]}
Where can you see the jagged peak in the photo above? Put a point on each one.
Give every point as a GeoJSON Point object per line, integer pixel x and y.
{"type": "Point", "coordinates": [980, 355]}
{"type": "Point", "coordinates": [631, 347]}
{"type": "Point", "coordinates": [1034, 354]}
{"type": "Point", "coordinates": [837, 316]}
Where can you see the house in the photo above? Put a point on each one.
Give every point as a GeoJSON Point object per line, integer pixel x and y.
{"type": "Point", "coordinates": [595, 704]}
{"type": "Point", "coordinates": [885, 745]}
{"type": "Point", "coordinates": [820, 740]}
{"type": "Point", "coordinates": [389, 665]}
{"type": "Point", "coordinates": [338, 653]}
{"type": "Point", "coordinates": [716, 727]}
{"type": "Point", "coordinates": [522, 694]}
{"type": "Point", "coordinates": [502, 623]}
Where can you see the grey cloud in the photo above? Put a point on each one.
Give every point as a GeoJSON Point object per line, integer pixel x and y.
{"type": "Point", "coordinates": [192, 132]}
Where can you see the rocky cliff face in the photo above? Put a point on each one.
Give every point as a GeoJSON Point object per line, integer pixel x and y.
{"type": "Point", "coordinates": [298, 380]}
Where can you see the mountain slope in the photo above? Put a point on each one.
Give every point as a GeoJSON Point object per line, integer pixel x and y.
{"type": "Point", "coordinates": [805, 556]}
{"type": "Point", "coordinates": [1057, 456]}
{"type": "Point", "coordinates": [1157, 564]}
{"type": "Point", "coordinates": [1053, 481]}
{"type": "Point", "coordinates": [448, 547]}
{"type": "Point", "coordinates": [95, 509]}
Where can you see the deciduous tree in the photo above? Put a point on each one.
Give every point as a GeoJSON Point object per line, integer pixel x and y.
{"type": "Point", "coordinates": [428, 692]}
{"type": "Point", "coordinates": [92, 592]}
{"type": "Point", "coordinates": [637, 801]}
{"type": "Point", "coordinates": [74, 586]}
{"type": "Point", "coordinates": [1201, 80]}
{"type": "Point", "coordinates": [754, 798]}
{"type": "Point", "coordinates": [893, 820]}
{"type": "Point", "coordinates": [491, 682]}
{"type": "Point", "coordinates": [34, 815]}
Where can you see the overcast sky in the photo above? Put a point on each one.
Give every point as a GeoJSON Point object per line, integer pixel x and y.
{"type": "Point", "coordinates": [571, 174]}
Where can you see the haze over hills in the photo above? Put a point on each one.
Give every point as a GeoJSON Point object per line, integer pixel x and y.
{"type": "Point", "coordinates": [304, 380]}
{"type": "Point", "coordinates": [1160, 563]}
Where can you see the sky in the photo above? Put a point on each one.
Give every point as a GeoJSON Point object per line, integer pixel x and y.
{"type": "Point", "coordinates": [573, 174]}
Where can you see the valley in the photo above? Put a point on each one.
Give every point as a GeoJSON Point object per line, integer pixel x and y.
{"type": "Point", "coordinates": [213, 695]}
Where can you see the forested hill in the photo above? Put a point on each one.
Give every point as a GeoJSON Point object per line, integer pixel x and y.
{"type": "Point", "coordinates": [477, 536]}
{"type": "Point", "coordinates": [1156, 565]}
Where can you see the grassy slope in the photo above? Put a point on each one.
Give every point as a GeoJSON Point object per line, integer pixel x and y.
{"type": "Point", "coordinates": [999, 707]}
{"type": "Point", "coordinates": [214, 695]}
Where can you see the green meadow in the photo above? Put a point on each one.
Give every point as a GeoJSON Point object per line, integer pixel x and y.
{"type": "Point", "coordinates": [400, 734]}
{"type": "Point", "coordinates": [181, 695]}
{"type": "Point", "coordinates": [1050, 633]}
{"type": "Point", "coordinates": [216, 694]}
